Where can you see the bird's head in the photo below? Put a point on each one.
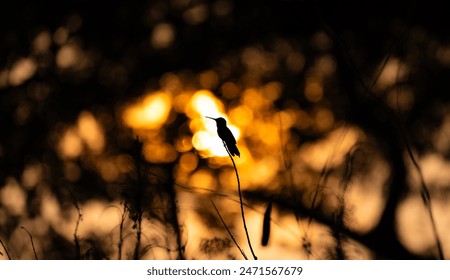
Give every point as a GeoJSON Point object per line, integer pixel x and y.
{"type": "Point", "coordinates": [219, 121]}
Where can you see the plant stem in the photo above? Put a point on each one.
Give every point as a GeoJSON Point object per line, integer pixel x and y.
{"type": "Point", "coordinates": [4, 247]}
{"type": "Point", "coordinates": [32, 243]}
{"type": "Point", "coordinates": [240, 202]}
{"type": "Point", "coordinates": [229, 232]}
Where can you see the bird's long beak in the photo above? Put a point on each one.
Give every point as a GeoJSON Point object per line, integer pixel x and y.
{"type": "Point", "coordinates": [210, 118]}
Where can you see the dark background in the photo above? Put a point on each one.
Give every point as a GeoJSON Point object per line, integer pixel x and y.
{"type": "Point", "coordinates": [123, 64]}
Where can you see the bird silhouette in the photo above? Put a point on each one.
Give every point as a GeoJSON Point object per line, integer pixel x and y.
{"type": "Point", "coordinates": [226, 136]}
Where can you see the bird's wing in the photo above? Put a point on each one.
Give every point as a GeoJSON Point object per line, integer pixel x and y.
{"type": "Point", "coordinates": [226, 135]}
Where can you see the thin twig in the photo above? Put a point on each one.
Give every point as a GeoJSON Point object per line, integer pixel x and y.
{"type": "Point", "coordinates": [367, 91]}
{"type": "Point", "coordinates": [6, 250]}
{"type": "Point", "coordinates": [120, 245]}
{"type": "Point", "coordinates": [287, 165]}
{"type": "Point", "coordinates": [75, 234]}
{"type": "Point", "coordinates": [80, 217]}
{"type": "Point", "coordinates": [326, 170]}
{"type": "Point", "coordinates": [229, 232]}
{"type": "Point", "coordinates": [138, 195]}
{"type": "Point", "coordinates": [240, 200]}
{"type": "Point", "coordinates": [32, 243]}
{"type": "Point", "coordinates": [426, 198]}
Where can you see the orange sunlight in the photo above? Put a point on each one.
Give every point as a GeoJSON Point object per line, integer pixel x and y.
{"type": "Point", "coordinates": [205, 139]}
{"type": "Point", "coordinates": [149, 113]}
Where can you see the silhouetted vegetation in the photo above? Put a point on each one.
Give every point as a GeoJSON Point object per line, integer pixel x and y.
{"type": "Point", "coordinates": [340, 111]}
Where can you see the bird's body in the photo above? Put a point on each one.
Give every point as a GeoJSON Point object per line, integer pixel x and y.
{"type": "Point", "coordinates": [226, 136]}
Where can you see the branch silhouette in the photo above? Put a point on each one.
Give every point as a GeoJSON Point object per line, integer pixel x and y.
{"type": "Point", "coordinates": [6, 250]}
{"type": "Point", "coordinates": [240, 200]}
{"type": "Point", "coordinates": [228, 230]}
{"type": "Point", "coordinates": [32, 243]}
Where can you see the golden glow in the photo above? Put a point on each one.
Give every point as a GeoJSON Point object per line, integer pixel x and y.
{"type": "Point", "coordinates": [242, 116]}
{"type": "Point", "coordinates": [99, 217]}
{"type": "Point", "coordinates": [87, 131]}
{"type": "Point", "coordinates": [313, 90]}
{"type": "Point", "coordinates": [268, 133]}
{"type": "Point", "coordinates": [188, 162]}
{"type": "Point", "coordinates": [401, 100]}
{"type": "Point", "coordinates": [272, 91]}
{"type": "Point", "coordinates": [208, 79]}
{"type": "Point", "coordinates": [171, 83]}
{"type": "Point", "coordinates": [3, 78]}
{"type": "Point", "coordinates": [393, 71]}
{"type": "Point", "coordinates": [204, 103]}
{"type": "Point", "coordinates": [200, 140]}
{"type": "Point", "coordinates": [263, 172]}
{"type": "Point", "coordinates": [412, 217]}
{"type": "Point", "coordinates": [324, 119]}
{"type": "Point", "coordinates": [51, 210]}
{"type": "Point", "coordinates": [295, 62]}
{"type": "Point", "coordinates": [70, 145]}
{"type": "Point", "coordinates": [205, 138]}
{"type": "Point", "coordinates": [441, 141]}
{"type": "Point", "coordinates": [203, 179]}
{"type": "Point", "coordinates": [32, 175]}
{"type": "Point", "coordinates": [331, 149]}
{"type": "Point", "coordinates": [42, 42]}
{"type": "Point", "coordinates": [91, 132]}
{"type": "Point", "coordinates": [230, 90]}
{"type": "Point", "coordinates": [304, 120]}
{"type": "Point", "coordinates": [13, 197]}
{"type": "Point", "coordinates": [321, 41]}
{"type": "Point", "coordinates": [22, 70]}
{"type": "Point", "coordinates": [183, 144]}
{"type": "Point", "coordinates": [72, 171]}
{"type": "Point", "coordinates": [435, 171]}
{"type": "Point", "coordinates": [253, 99]}
{"type": "Point", "coordinates": [61, 35]}
{"type": "Point", "coordinates": [150, 113]}
{"type": "Point", "coordinates": [258, 62]}
{"type": "Point", "coordinates": [365, 197]}
{"type": "Point", "coordinates": [159, 152]}
{"type": "Point", "coordinates": [108, 169]}
{"type": "Point", "coordinates": [209, 144]}
{"type": "Point", "coordinates": [163, 36]}
{"type": "Point", "coordinates": [286, 119]}
{"type": "Point", "coordinates": [67, 56]}
{"type": "Point", "coordinates": [181, 101]}
{"type": "Point", "coordinates": [326, 65]}
{"type": "Point", "coordinates": [196, 14]}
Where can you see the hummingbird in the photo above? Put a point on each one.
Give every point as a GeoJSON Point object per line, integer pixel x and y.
{"type": "Point", "coordinates": [226, 136]}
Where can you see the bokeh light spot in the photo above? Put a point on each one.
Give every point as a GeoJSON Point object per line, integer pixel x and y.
{"type": "Point", "coordinates": [42, 42]}
{"type": "Point", "coordinates": [204, 103]}
{"type": "Point", "coordinates": [70, 145]}
{"type": "Point", "coordinates": [67, 56]}
{"type": "Point", "coordinates": [163, 36]}
{"type": "Point", "coordinates": [13, 197]}
{"type": "Point", "coordinates": [91, 132]}
{"type": "Point", "coordinates": [313, 90]}
{"type": "Point", "coordinates": [203, 179]}
{"type": "Point", "coordinates": [188, 162]}
{"type": "Point", "coordinates": [230, 90]}
{"type": "Point", "coordinates": [208, 79]}
{"type": "Point", "coordinates": [149, 113]}
{"type": "Point", "coordinates": [196, 14]}
{"type": "Point", "coordinates": [159, 152]}
{"type": "Point", "coordinates": [21, 71]}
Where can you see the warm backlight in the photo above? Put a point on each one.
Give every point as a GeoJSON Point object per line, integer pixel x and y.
{"type": "Point", "coordinates": [149, 113]}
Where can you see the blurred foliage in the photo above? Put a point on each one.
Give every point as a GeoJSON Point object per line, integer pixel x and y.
{"type": "Point", "coordinates": [105, 151]}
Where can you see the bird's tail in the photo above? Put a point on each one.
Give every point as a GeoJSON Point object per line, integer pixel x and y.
{"type": "Point", "coordinates": [234, 150]}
